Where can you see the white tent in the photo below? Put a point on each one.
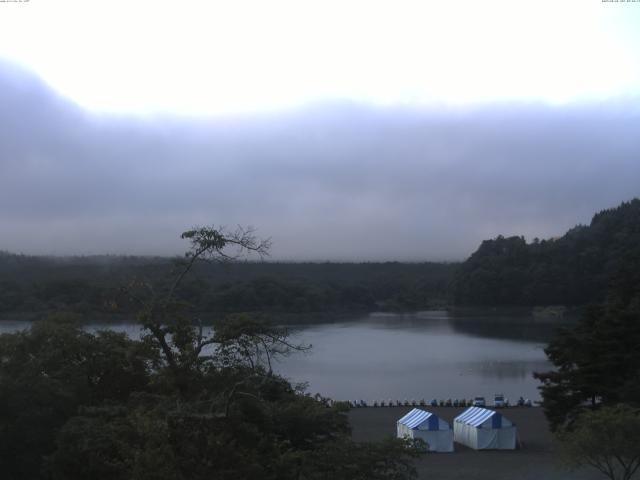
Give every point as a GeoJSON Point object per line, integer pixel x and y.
{"type": "Point", "coordinates": [482, 429]}
{"type": "Point", "coordinates": [435, 432]}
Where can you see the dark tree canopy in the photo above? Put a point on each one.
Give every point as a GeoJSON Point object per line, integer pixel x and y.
{"type": "Point", "coordinates": [48, 373]}
{"type": "Point", "coordinates": [575, 269]}
{"type": "Point", "coordinates": [177, 404]}
{"type": "Point", "coordinates": [90, 286]}
{"type": "Point", "coordinates": [607, 439]}
{"type": "Point", "coordinates": [597, 362]}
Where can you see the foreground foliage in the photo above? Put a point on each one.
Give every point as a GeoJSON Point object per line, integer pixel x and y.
{"type": "Point", "coordinates": [607, 439]}
{"type": "Point", "coordinates": [592, 397]}
{"type": "Point", "coordinates": [177, 404]}
{"type": "Point", "coordinates": [597, 361]}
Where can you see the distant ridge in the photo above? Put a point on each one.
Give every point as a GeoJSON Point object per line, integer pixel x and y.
{"type": "Point", "coordinates": [92, 285]}
{"type": "Point", "coordinates": [575, 269]}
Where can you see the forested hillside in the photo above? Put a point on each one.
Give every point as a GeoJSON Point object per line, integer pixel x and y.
{"type": "Point", "coordinates": [90, 285]}
{"type": "Point", "coordinates": [575, 269]}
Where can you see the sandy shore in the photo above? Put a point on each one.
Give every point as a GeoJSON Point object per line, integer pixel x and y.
{"type": "Point", "coordinates": [535, 460]}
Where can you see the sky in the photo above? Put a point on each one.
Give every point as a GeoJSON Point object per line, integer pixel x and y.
{"type": "Point", "coordinates": [342, 130]}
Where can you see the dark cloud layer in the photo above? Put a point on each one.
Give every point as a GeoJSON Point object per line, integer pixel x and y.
{"type": "Point", "coordinates": [332, 181]}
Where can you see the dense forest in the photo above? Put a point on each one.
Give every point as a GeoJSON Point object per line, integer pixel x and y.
{"type": "Point", "coordinates": [176, 404]}
{"type": "Point", "coordinates": [575, 269]}
{"type": "Point", "coordinates": [93, 285]}
{"type": "Point", "coordinates": [591, 397]}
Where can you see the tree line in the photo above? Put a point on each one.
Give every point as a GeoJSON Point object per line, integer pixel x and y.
{"type": "Point", "coordinates": [575, 269]}
{"type": "Point", "coordinates": [93, 285]}
{"type": "Point", "coordinates": [592, 396]}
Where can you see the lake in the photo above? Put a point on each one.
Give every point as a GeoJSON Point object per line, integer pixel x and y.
{"type": "Point", "coordinates": [423, 355]}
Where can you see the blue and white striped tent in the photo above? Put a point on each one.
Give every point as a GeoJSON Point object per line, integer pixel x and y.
{"type": "Point", "coordinates": [483, 429]}
{"type": "Point", "coordinates": [435, 432]}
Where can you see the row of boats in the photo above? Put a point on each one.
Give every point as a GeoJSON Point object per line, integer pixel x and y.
{"type": "Point", "coordinates": [500, 401]}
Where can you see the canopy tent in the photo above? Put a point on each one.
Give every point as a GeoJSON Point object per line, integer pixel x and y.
{"type": "Point", "coordinates": [483, 429]}
{"type": "Point", "coordinates": [434, 431]}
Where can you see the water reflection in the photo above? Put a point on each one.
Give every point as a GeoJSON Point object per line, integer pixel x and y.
{"type": "Point", "coordinates": [422, 355]}
{"type": "Point", "coordinates": [435, 354]}
{"type": "Point", "coordinates": [516, 325]}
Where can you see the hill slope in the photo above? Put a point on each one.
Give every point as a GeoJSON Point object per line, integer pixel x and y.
{"type": "Point", "coordinates": [576, 269]}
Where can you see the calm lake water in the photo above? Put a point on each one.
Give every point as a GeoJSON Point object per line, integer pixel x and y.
{"type": "Point", "coordinates": [434, 354]}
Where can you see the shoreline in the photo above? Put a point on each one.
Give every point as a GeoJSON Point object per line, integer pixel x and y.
{"type": "Point", "coordinates": [535, 459]}
{"type": "Point", "coordinates": [496, 314]}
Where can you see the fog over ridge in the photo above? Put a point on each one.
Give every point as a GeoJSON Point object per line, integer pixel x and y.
{"type": "Point", "coordinates": [334, 181]}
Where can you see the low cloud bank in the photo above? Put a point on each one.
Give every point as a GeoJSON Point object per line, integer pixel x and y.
{"type": "Point", "coordinates": [327, 182]}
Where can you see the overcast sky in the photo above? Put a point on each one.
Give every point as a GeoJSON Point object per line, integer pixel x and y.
{"type": "Point", "coordinates": [373, 131]}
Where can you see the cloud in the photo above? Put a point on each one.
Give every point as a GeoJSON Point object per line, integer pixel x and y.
{"type": "Point", "coordinates": [336, 181]}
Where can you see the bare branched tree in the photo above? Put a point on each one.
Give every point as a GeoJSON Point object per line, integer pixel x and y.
{"type": "Point", "coordinates": [162, 315]}
{"type": "Point", "coordinates": [241, 343]}
{"type": "Point", "coordinates": [251, 343]}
